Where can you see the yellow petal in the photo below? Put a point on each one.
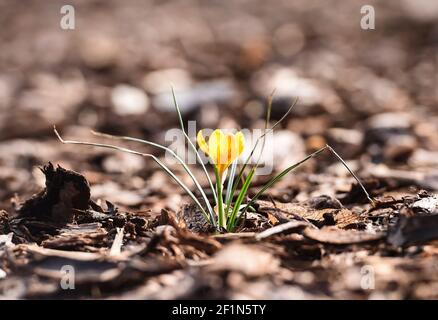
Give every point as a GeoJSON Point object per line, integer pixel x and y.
{"type": "Point", "coordinates": [240, 139]}
{"type": "Point", "coordinates": [201, 142]}
{"type": "Point", "coordinates": [231, 149]}
{"type": "Point", "coordinates": [217, 146]}
{"type": "Point", "coordinates": [235, 145]}
{"type": "Point", "coordinates": [222, 148]}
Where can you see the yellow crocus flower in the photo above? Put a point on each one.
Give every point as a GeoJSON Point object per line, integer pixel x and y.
{"type": "Point", "coordinates": [222, 148]}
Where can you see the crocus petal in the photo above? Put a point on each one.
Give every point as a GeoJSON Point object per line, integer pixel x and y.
{"type": "Point", "coordinates": [201, 142]}
{"type": "Point", "coordinates": [222, 148]}
{"type": "Point", "coordinates": [231, 149]}
{"type": "Point", "coordinates": [240, 139]}
{"type": "Point", "coordinates": [217, 146]}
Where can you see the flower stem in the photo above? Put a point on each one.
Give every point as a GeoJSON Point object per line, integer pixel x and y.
{"type": "Point", "coordinates": [222, 219]}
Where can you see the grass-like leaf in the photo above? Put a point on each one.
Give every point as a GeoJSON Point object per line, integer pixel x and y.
{"type": "Point", "coordinates": [234, 214]}
{"type": "Point", "coordinates": [181, 122]}
{"type": "Point", "coordinates": [351, 172]}
{"type": "Point", "coordinates": [279, 176]}
{"type": "Point", "coordinates": [222, 219]}
{"type": "Point", "coordinates": [245, 164]}
{"type": "Point", "coordinates": [232, 175]}
{"type": "Point", "coordinates": [178, 158]}
{"type": "Point", "coordinates": [229, 213]}
{"type": "Point", "coordinates": [160, 163]}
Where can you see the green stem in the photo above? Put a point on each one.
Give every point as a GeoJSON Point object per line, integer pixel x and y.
{"type": "Point", "coordinates": [221, 216]}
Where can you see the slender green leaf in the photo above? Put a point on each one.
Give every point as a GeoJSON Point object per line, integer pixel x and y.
{"type": "Point", "coordinates": [237, 204]}
{"type": "Point", "coordinates": [178, 158]}
{"type": "Point", "coordinates": [198, 156]}
{"type": "Point", "coordinates": [279, 176]}
{"type": "Point", "coordinates": [222, 220]}
{"type": "Point", "coordinates": [161, 164]}
{"type": "Point", "coordinates": [351, 172]}
{"type": "Point", "coordinates": [231, 177]}
{"type": "Point", "coordinates": [242, 170]}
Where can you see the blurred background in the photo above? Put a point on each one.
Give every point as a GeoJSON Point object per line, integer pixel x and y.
{"type": "Point", "coordinates": [372, 94]}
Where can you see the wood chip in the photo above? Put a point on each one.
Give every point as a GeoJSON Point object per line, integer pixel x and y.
{"type": "Point", "coordinates": [281, 228]}
{"type": "Point", "coordinates": [333, 235]}
{"type": "Point", "coordinates": [249, 260]}
{"type": "Point", "coordinates": [116, 247]}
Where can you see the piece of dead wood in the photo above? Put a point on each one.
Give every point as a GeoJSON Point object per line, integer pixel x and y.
{"type": "Point", "coordinates": [108, 218]}
{"type": "Point", "coordinates": [40, 276]}
{"type": "Point", "coordinates": [426, 180]}
{"type": "Point", "coordinates": [89, 242]}
{"type": "Point", "coordinates": [75, 255]}
{"type": "Point", "coordinates": [116, 247]}
{"type": "Point", "coordinates": [83, 228]}
{"type": "Point", "coordinates": [356, 195]}
{"type": "Point", "coordinates": [170, 218]}
{"type": "Point", "coordinates": [162, 234]}
{"type": "Point", "coordinates": [282, 228]}
{"type": "Point", "coordinates": [176, 284]}
{"type": "Point", "coordinates": [78, 238]}
{"type": "Point", "coordinates": [95, 267]}
{"type": "Point", "coordinates": [187, 237]}
{"type": "Point", "coordinates": [202, 243]}
{"type": "Point", "coordinates": [303, 211]}
{"type": "Point", "coordinates": [50, 263]}
{"type": "Point", "coordinates": [426, 204]}
{"type": "Point", "coordinates": [414, 230]}
{"type": "Point", "coordinates": [194, 220]}
{"type": "Point", "coordinates": [283, 211]}
{"type": "Point", "coordinates": [333, 235]}
{"type": "Point", "coordinates": [29, 229]}
{"type": "Point", "coordinates": [6, 240]}
{"type": "Point", "coordinates": [4, 222]}
{"type": "Point", "coordinates": [383, 202]}
{"type": "Point", "coordinates": [66, 191]}
{"type": "Point", "coordinates": [85, 271]}
{"type": "Point", "coordinates": [181, 243]}
{"type": "Point", "coordinates": [324, 202]}
{"type": "Point", "coordinates": [250, 260]}
{"type": "Point", "coordinates": [234, 236]}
